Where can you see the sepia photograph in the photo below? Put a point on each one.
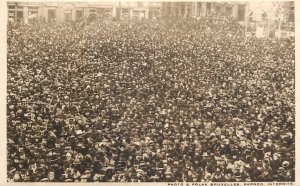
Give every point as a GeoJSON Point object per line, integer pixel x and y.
{"type": "Point", "coordinates": [150, 91]}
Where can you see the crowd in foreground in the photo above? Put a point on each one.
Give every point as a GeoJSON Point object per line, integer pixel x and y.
{"type": "Point", "coordinates": [149, 101]}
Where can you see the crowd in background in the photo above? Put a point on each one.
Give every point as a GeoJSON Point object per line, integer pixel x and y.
{"type": "Point", "coordinates": [149, 101]}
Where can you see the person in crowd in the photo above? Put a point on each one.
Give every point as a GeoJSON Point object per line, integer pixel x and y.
{"type": "Point", "coordinates": [149, 101]}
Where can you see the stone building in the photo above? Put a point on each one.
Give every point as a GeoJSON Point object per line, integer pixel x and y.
{"type": "Point", "coordinates": [265, 18]}
{"type": "Point", "coordinates": [271, 19]}
{"type": "Point", "coordinates": [76, 11]}
{"type": "Point", "coordinates": [203, 9]}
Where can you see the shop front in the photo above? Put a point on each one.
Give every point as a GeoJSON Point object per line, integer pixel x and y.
{"type": "Point", "coordinates": [15, 13]}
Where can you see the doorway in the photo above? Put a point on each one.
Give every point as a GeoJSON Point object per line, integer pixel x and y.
{"type": "Point", "coordinates": [68, 15]}
{"type": "Point", "coordinates": [51, 15]}
{"type": "Point", "coordinates": [79, 15]}
{"type": "Point", "coordinates": [19, 16]}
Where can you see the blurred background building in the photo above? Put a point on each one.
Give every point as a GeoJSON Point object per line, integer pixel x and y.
{"type": "Point", "coordinates": [271, 18]}
{"type": "Point", "coordinates": [77, 11]}
{"type": "Point", "coordinates": [205, 9]}
{"type": "Point", "coordinates": [262, 18]}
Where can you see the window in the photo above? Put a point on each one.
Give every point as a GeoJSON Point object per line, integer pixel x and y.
{"type": "Point", "coordinates": [182, 7]}
{"type": "Point", "coordinates": [51, 15]}
{"type": "Point", "coordinates": [228, 11]}
{"type": "Point", "coordinates": [32, 13]}
{"type": "Point", "coordinates": [208, 6]}
{"type": "Point", "coordinates": [241, 13]}
{"type": "Point", "coordinates": [199, 4]}
{"type": "Point", "coordinates": [11, 15]}
{"type": "Point", "coordinates": [251, 17]}
{"type": "Point", "coordinates": [292, 17]}
{"type": "Point", "coordinates": [292, 14]}
{"type": "Point", "coordinates": [19, 16]}
{"type": "Point", "coordinates": [169, 9]}
{"type": "Point", "coordinates": [218, 9]}
{"type": "Point", "coordinates": [176, 11]}
{"type": "Point", "coordinates": [79, 15]}
{"type": "Point", "coordinates": [125, 13]}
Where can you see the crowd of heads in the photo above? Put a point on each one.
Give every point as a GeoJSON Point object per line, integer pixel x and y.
{"type": "Point", "coordinates": [163, 100]}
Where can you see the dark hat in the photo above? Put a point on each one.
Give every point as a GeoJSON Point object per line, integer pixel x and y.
{"type": "Point", "coordinates": [237, 174]}
{"type": "Point", "coordinates": [260, 147]}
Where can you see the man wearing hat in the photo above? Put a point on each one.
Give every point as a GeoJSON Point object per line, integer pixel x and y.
{"type": "Point", "coordinates": [142, 89]}
{"type": "Point", "coordinates": [218, 176]}
{"type": "Point", "coordinates": [51, 176]}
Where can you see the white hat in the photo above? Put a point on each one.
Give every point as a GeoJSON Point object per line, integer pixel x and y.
{"type": "Point", "coordinates": [78, 132]}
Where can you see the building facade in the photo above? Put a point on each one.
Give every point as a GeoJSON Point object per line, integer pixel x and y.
{"type": "Point", "coordinates": [204, 9]}
{"type": "Point", "coordinates": [271, 19]}
{"type": "Point", "coordinates": [265, 18]}
{"type": "Point", "coordinates": [262, 18]}
{"type": "Point", "coordinates": [77, 11]}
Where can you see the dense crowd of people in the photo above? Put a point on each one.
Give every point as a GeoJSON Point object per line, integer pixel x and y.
{"type": "Point", "coordinates": [149, 101]}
